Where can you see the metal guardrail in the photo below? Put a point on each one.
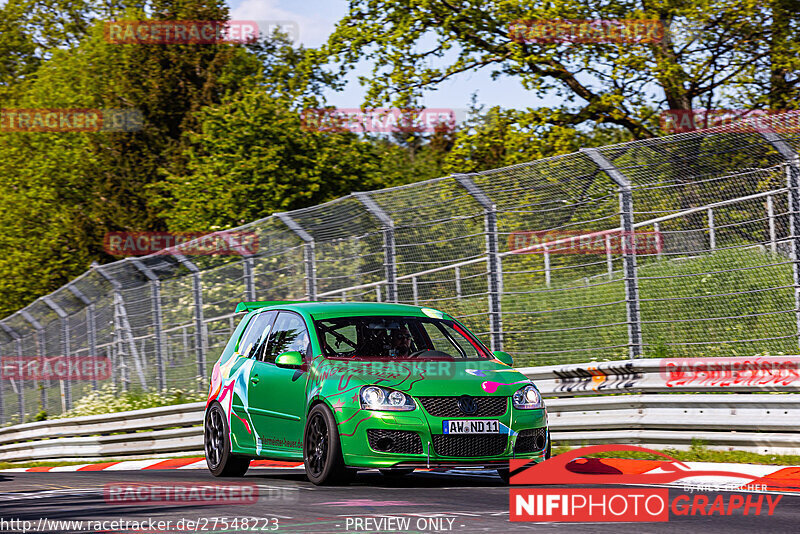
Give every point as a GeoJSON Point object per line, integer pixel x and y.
{"type": "Point", "coordinates": [150, 432]}
{"type": "Point", "coordinates": [753, 409]}
{"type": "Point", "coordinates": [669, 375]}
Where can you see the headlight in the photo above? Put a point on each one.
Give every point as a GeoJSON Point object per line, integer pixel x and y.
{"type": "Point", "coordinates": [378, 398]}
{"type": "Point", "coordinates": [527, 398]}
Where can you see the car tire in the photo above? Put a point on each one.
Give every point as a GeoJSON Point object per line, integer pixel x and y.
{"type": "Point", "coordinates": [396, 473]}
{"type": "Point", "coordinates": [322, 449]}
{"type": "Point", "coordinates": [217, 444]}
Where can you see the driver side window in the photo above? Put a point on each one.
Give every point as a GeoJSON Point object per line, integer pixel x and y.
{"type": "Point", "coordinates": [257, 330]}
{"type": "Point", "coordinates": [289, 333]}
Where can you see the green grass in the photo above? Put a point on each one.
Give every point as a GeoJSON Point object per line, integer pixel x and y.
{"type": "Point", "coordinates": [595, 302]}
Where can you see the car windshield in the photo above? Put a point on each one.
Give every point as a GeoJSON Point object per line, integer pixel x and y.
{"type": "Point", "coordinates": [397, 338]}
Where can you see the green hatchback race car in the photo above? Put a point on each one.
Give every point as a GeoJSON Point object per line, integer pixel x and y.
{"type": "Point", "coordinates": [348, 386]}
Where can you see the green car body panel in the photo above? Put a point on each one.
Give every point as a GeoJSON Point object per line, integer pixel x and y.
{"type": "Point", "coordinates": [267, 405]}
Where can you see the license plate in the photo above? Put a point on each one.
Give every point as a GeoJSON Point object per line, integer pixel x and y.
{"type": "Point", "coordinates": [471, 426]}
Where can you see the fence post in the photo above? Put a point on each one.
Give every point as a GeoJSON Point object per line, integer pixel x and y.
{"type": "Point", "coordinates": [11, 333]}
{"type": "Point", "coordinates": [40, 352]}
{"type": "Point", "coordinates": [309, 254]}
{"type": "Point", "coordinates": [91, 326]}
{"type": "Point", "coordinates": [712, 233]}
{"type": "Point", "coordinates": [66, 389]}
{"type": "Point", "coordinates": [793, 184]}
{"type": "Point", "coordinates": [628, 249]}
{"type": "Point", "coordinates": [493, 257]}
{"type": "Point", "coordinates": [122, 328]}
{"type": "Point", "coordinates": [389, 252]}
{"type": "Point", "coordinates": [20, 390]}
{"type": "Point", "coordinates": [199, 324]}
{"type": "Point", "coordinates": [155, 296]}
{"type": "Point", "coordinates": [773, 244]}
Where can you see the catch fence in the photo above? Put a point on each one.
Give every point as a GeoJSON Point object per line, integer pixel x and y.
{"type": "Point", "coordinates": [678, 246]}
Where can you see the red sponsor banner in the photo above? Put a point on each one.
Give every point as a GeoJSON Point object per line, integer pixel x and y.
{"type": "Point", "coordinates": [737, 120]}
{"type": "Point", "coordinates": [377, 120]}
{"type": "Point", "coordinates": [589, 504]}
{"type": "Point", "coordinates": [181, 31]}
{"type": "Point", "coordinates": [574, 468]}
{"type": "Point", "coordinates": [179, 492]}
{"type": "Point", "coordinates": [55, 368]}
{"type": "Point", "coordinates": [584, 242]}
{"type": "Point", "coordinates": [730, 372]}
{"type": "Point", "coordinates": [70, 120]}
{"type": "Point", "coordinates": [238, 243]}
{"type": "Point", "coordinates": [582, 31]}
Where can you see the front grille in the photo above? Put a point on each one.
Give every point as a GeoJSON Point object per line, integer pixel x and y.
{"type": "Point", "coordinates": [469, 446]}
{"type": "Point", "coordinates": [396, 441]}
{"type": "Point", "coordinates": [448, 406]}
{"type": "Point", "coordinates": [531, 440]}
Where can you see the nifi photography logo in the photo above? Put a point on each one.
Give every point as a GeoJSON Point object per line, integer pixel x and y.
{"type": "Point", "coordinates": [628, 500]}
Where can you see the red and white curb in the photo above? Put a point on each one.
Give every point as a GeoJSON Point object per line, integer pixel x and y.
{"type": "Point", "coordinates": [770, 477]}
{"type": "Point", "coordinates": [140, 465]}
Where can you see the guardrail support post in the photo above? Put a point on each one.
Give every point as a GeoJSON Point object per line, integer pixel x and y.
{"type": "Point", "coordinates": [389, 252]}
{"type": "Point", "coordinates": [155, 295]}
{"type": "Point", "coordinates": [628, 249]}
{"type": "Point", "coordinates": [309, 254]}
{"type": "Point", "coordinates": [66, 390]}
{"type": "Point", "coordinates": [495, 281]}
{"type": "Point", "coordinates": [200, 339]}
{"type": "Point", "coordinates": [793, 184]}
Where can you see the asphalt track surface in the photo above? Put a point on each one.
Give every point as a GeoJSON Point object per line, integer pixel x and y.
{"type": "Point", "coordinates": [289, 503]}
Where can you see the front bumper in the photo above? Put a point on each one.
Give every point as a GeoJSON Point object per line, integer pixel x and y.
{"type": "Point", "coordinates": [358, 451]}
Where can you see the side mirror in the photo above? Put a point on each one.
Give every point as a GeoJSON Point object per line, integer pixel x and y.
{"type": "Point", "coordinates": [504, 357]}
{"type": "Point", "coordinates": [290, 360]}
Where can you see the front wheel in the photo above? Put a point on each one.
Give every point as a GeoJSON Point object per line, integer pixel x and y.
{"type": "Point", "coordinates": [322, 450]}
{"type": "Point", "coordinates": [216, 438]}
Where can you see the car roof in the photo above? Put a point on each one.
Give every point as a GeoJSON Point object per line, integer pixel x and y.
{"type": "Point", "coordinates": [327, 310]}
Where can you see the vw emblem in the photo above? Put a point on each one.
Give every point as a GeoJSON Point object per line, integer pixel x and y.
{"type": "Point", "coordinates": [467, 405]}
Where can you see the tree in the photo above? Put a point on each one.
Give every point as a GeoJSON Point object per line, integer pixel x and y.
{"type": "Point", "coordinates": [720, 63]}
{"type": "Point", "coordinates": [255, 155]}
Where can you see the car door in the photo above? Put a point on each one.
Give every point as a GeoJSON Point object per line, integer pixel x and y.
{"type": "Point", "coordinates": [241, 422]}
{"type": "Point", "coordinates": [277, 396]}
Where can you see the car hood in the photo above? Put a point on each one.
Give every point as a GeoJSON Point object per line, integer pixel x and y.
{"type": "Point", "coordinates": [423, 378]}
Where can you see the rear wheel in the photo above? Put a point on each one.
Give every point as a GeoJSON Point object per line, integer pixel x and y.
{"type": "Point", "coordinates": [322, 450]}
{"type": "Point", "coordinates": [217, 441]}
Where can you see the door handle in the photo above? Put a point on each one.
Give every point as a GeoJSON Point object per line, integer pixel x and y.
{"type": "Point", "coordinates": [254, 379]}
